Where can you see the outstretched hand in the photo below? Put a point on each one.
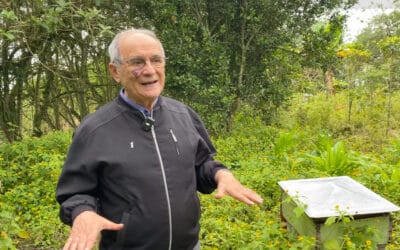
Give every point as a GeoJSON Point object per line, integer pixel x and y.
{"type": "Point", "coordinates": [85, 230]}
{"type": "Point", "coordinates": [229, 185]}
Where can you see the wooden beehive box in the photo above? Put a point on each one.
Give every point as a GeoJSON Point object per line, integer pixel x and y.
{"type": "Point", "coordinates": [338, 197]}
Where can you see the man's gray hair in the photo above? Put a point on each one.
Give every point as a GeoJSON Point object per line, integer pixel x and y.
{"type": "Point", "coordinates": [113, 48]}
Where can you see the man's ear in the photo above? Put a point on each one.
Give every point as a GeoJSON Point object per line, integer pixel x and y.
{"type": "Point", "coordinates": [114, 71]}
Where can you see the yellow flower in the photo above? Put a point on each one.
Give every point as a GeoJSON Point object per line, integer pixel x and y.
{"type": "Point", "coordinates": [368, 242]}
{"type": "Point", "coordinates": [341, 53]}
{"type": "Point", "coordinates": [300, 238]}
{"type": "Point", "coordinates": [349, 243]}
{"type": "Point", "coordinates": [3, 235]}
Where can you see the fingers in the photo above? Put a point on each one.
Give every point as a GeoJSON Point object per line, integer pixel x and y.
{"type": "Point", "coordinates": [249, 197]}
{"type": "Point", "coordinates": [68, 244]}
{"type": "Point", "coordinates": [79, 243]}
{"type": "Point", "coordinates": [229, 185]}
{"type": "Point", "coordinates": [85, 230]}
{"type": "Point", "coordinates": [240, 193]}
{"type": "Point", "coordinates": [109, 225]}
{"type": "Point", "coordinates": [220, 193]}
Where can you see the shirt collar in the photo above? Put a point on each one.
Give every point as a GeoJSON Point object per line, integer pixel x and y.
{"type": "Point", "coordinates": [133, 104]}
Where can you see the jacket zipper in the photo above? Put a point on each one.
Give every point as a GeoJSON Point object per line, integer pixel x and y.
{"type": "Point", "coordinates": [175, 141]}
{"type": "Point", "coordinates": [165, 185]}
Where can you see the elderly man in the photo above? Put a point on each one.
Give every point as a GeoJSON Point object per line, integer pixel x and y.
{"type": "Point", "coordinates": [135, 165]}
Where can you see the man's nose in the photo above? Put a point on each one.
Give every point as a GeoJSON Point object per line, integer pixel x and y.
{"type": "Point", "coordinates": [148, 68]}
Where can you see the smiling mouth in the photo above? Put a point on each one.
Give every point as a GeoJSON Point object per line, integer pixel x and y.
{"type": "Point", "coordinates": [149, 83]}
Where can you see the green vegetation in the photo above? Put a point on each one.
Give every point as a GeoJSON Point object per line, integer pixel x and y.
{"type": "Point", "coordinates": [259, 155]}
{"type": "Point", "coordinates": [28, 211]}
{"type": "Point", "coordinates": [221, 55]}
{"type": "Point", "coordinates": [282, 95]}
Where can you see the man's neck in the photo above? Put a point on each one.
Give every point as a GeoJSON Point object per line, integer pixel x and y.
{"type": "Point", "coordinates": [145, 109]}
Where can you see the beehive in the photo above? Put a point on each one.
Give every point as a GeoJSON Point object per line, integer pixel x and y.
{"type": "Point", "coordinates": [338, 197]}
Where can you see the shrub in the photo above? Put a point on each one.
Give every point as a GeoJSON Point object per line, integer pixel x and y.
{"type": "Point", "coordinates": [258, 155]}
{"type": "Point", "coordinates": [29, 171]}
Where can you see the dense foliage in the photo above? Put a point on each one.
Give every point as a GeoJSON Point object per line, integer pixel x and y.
{"type": "Point", "coordinates": [221, 54]}
{"type": "Point", "coordinates": [310, 143]}
{"type": "Point", "coordinates": [295, 100]}
{"type": "Point", "coordinates": [28, 210]}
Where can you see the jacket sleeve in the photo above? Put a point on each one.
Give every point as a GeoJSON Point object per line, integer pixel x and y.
{"type": "Point", "coordinates": [206, 166]}
{"type": "Point", "coordinates": [76, 187]}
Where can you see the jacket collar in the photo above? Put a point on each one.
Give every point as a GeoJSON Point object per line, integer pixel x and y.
{"type": "Point", "coordinates": [128, 104]}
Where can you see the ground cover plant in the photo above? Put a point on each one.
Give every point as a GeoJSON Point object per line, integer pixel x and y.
{"type": "Point", "coordinates": [28, 175]}
{"type": "Point", "coordinates": [259, 156]}
{"type": "Point", "coordinates": [282, 94]}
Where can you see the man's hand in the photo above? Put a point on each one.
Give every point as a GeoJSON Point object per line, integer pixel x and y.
{"type": "Point", "coordinates": [229, 185]}
{"type": "Point", "coordinates": [85, 230]}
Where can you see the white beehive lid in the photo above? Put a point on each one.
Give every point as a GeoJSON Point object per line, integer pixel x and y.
{"type": "Point", "coordinates": [323, 197]}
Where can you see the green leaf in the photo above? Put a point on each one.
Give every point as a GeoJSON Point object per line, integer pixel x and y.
{"type": "Point", "coordinates": [346, 219]}
{"type": "Point", "coordinates": [23, 234]}
{"type": "Point", "coordinates": [299, 211]}
{"type": "Point", "coordinates": [10, 15]}
{"type": "Point", "coordinates": [330, 221]}
{"type": "Point", "coordinates": [331, 245]}
{"type": "Point", "coordinates": [9, 36]}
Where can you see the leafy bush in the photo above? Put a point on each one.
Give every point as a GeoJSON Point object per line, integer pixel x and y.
{"type": "Point", "coordinates": [365, 128]}
{"type": "Point", "coordinates": [29, 172]}
{"type": "Point", "coordinates": [258, 155]}
{"type": "Point", "coordinates": [333, 159]}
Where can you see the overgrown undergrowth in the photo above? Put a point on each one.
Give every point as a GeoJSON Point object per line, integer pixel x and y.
{"type": "Point", "coordinates": [308, 143]}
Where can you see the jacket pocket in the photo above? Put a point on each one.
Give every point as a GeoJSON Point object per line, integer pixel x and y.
{"type": "Point", "coordinates": [121, 235]}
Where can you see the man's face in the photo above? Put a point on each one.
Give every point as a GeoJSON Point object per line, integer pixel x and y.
{"type": "Point", "coordinates": [142, 69]}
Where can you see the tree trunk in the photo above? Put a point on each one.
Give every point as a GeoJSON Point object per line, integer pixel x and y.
{"type": "Point", "coordinates": [389, 105]}
{"type": "Point", "coordinates": [10, 95]}
{"type": "Point", "coordinates": [242, 63]}
{"type": "Point", "coordinates": [330, 90]}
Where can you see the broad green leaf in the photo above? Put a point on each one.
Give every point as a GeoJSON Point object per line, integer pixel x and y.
{"type": "Point", "coordinates": [331, 245]}
{"type": "Point", "coordinates": [331, 220]}
{"type": "Point", "coordinates": [23, 234]}
{"type": "Point", "coordinates": [299, 211]}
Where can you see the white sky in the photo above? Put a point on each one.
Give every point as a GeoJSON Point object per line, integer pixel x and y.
{"type": "Point", "coordinates": [362, 12]}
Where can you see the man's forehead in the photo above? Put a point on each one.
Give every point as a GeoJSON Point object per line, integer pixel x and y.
{"type": "Point", "coordinates": [138, 38]}
{"type": "Point", "coordinates": [138, 41]}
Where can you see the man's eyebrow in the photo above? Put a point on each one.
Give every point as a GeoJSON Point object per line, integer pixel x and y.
{"type": "Point", "coordinates": [135, 57]}
{"type": "Point", "coordinates": [142, 57]}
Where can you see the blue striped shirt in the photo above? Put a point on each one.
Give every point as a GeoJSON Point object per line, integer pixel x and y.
{"type": "Point", "coordinates": [133, 104]}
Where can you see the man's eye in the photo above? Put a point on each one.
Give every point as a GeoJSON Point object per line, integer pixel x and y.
{"type": "Point", "coordinates": [157, 60]}
{"type": "Point", "coordinates": [135, 62]}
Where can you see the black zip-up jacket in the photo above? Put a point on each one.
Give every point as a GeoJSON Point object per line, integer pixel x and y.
{"type": "Point", "coordinates": [146, 179]}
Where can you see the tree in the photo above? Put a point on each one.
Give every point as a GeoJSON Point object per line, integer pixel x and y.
{"type": "Point", "coordinates": [51, 52]}
{"type": "Point", "coordinates": [221, 55]}
{"type": "Point", "coordinates": [320, 48]}
{"type": "Point", "coordinates": [353, 57]}
{"type": "Point", "coordinates": [390, 47]}
{"type": "Point", "coordinates": [12, 76]}
{"type": "Point", "coordinates": [225, 53]}
{"type": "Point", "coordinates": [381, 37]}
